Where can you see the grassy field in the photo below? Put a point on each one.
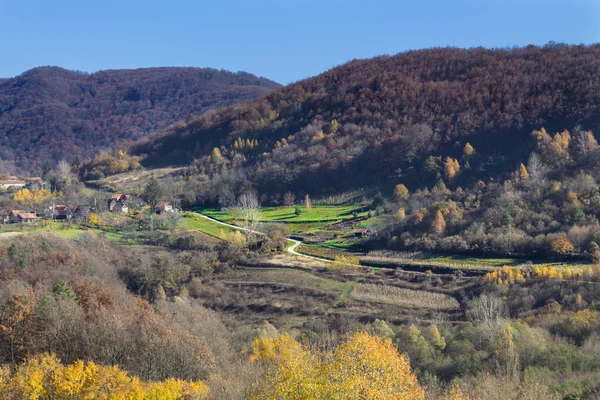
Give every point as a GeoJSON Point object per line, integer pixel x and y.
{"type": "Point", "coordinates": [323, 213]}
{"type": "Point", "coordinates": [317, 219]}
{"type": "Point", "coordinates": [193, 222]}
{"type": "Point", "coordinates": [391, 259]}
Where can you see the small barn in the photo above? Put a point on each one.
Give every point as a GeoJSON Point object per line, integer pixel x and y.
{"type": "Point", "coordinates": [360, 233]}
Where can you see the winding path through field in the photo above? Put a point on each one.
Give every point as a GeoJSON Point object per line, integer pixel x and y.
{"type": "Point", "coordinates": [291, 249]}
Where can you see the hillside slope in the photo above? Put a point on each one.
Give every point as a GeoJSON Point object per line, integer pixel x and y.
{"type": "Point", "coordinates": [50, 113]}
{"type": "Point", "coordinates": [369, 120]}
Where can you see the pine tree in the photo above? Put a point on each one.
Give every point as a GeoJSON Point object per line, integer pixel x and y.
{"type": "Point", "coordinates": [153, 192]}
{"type": "Point", "coordinates": [76, 162]}
{"type": "Point", "coordinates": [46, 169]}
{"type": "Point", "coordinates": [508, 220]}
{"type": "Point", "coordinates": [579, 216]}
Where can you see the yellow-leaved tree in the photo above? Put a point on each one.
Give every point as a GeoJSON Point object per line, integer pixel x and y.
{"type": "Point", "coordinates": [94, 220]}
{"type": "Point", "coordinates": [44, 377]}
{"type": "Point", "coordinates": [451, 168]}
{"type": "Point", "coordinates": [523, 174]}
{"type": "Point", "coordinates": [438, 225]}
{"type": "Point", "coordinates": [400, 192]}
{"type": "Point", "coordinates": [25, 196]}
{"type": "Point", "coordinates": [291, 372]}
{"type": "Point", "coordinates": [361, 367]}
{"type": "Point", "coordinates": [468, 151]}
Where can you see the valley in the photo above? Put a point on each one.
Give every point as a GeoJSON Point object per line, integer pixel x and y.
{"type": "Point", "coordinates": [434, 212]}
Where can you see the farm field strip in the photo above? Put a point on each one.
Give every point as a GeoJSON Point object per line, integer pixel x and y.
{"type": "Point", "coordinates": [317, 214]}
{"type": "Point", "coordinates": [376, 293]}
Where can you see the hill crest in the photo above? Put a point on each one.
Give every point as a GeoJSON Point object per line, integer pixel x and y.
{"type": "Point", "coordinates": [50, 113]}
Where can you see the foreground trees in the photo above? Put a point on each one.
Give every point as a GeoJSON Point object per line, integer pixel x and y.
{"type": "Point", "coordinates": [361, 367]}
{"type": "Point", "coordinates": [44, 377]}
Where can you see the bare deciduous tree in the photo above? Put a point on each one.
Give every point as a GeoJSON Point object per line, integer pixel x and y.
{"type": "Point", "coordinates": [536, 167]}
{"type": "Point", "coordinates": [289, 199]}
{"type": "Point", "coordinates": [487, 312]}
{"type": "Point", "coordinates": [248, 208]}
{"type": "Point", "coordinates": [63, 171]}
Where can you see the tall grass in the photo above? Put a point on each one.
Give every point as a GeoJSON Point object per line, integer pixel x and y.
{"type": "Point", "coordinates": [386, 294]}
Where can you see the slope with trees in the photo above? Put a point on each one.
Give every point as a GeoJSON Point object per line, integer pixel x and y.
{"type": "Point", "coordinates": [371, 121]}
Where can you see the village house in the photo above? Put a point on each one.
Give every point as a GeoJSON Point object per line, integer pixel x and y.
{"type": "Point", "coordinates": [134, 201]}
{"type": "Point", "coordinates": [27, 217]}
{"type": "Point", "coordinates": [61, 213]}
{"type": "Point", "coordinates": [163, 206]}
{"type": "Point", "coordinates": [118, 203]}
{"type": "Point", "coordinates": [12, 183]}
{"type": "Point", "coordinates": [120, 207]}
{"type": "Point", "coordinates": [14, 215]}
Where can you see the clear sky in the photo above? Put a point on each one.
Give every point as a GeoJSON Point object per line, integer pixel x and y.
{"type": "Point", "coordinates": [284, 40]}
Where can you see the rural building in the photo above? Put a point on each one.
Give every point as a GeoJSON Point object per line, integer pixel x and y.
{"type": "Point", "coordinates": [26, 217]}
{"type": "Point", "coordinates": [12, 183]}
{"type": "Point", "coordinates": [61, 212]}
{"type": "Point", "coordinates": [14, 215]}
{"type": "Point", "coordinates": [361, 233]}
{"type": "Point", "coordinates": [134, 200]}
{"type": "Point", "coordinates": [117, 203]}
{"type": "Point", "coordinates": [163, 206]}
{"type": "Point", "coordinates": [120, 207]}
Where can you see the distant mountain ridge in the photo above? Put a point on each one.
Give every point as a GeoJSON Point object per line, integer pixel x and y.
{"type": "Point", "coordinates": [50, 113]}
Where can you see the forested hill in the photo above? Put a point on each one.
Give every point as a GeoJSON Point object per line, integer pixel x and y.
{"type": "Point", "coordinates": [50, 113]}
{"type": "Point", "coordinates": [368, 120]}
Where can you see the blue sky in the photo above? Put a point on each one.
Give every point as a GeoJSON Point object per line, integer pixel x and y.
{"type": "Point", "coordinates": [284, 40]}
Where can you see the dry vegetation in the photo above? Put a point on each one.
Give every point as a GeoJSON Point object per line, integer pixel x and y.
{"type": "Point", "coordinates": [403, 297]}
{"type": "Point", "coordinates": [135, 180]}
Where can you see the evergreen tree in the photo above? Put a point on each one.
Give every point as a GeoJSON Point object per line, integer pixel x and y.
{"type": "Point", "coordinates": [153, 192]}
{"type": "Point", "coordinates": [579, 216]}
{"type": "Point", "coordinates": [46, 169]}
{"type": "Point", "coordinates": [76, 162]}
{"type": "Point", "coordinates": [508, 219]}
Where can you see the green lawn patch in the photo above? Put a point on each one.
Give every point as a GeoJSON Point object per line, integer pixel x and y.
{"type": "Point", "coordinates": [194, 222]}
{"type": "Point", "coordinates": [287, 215]}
